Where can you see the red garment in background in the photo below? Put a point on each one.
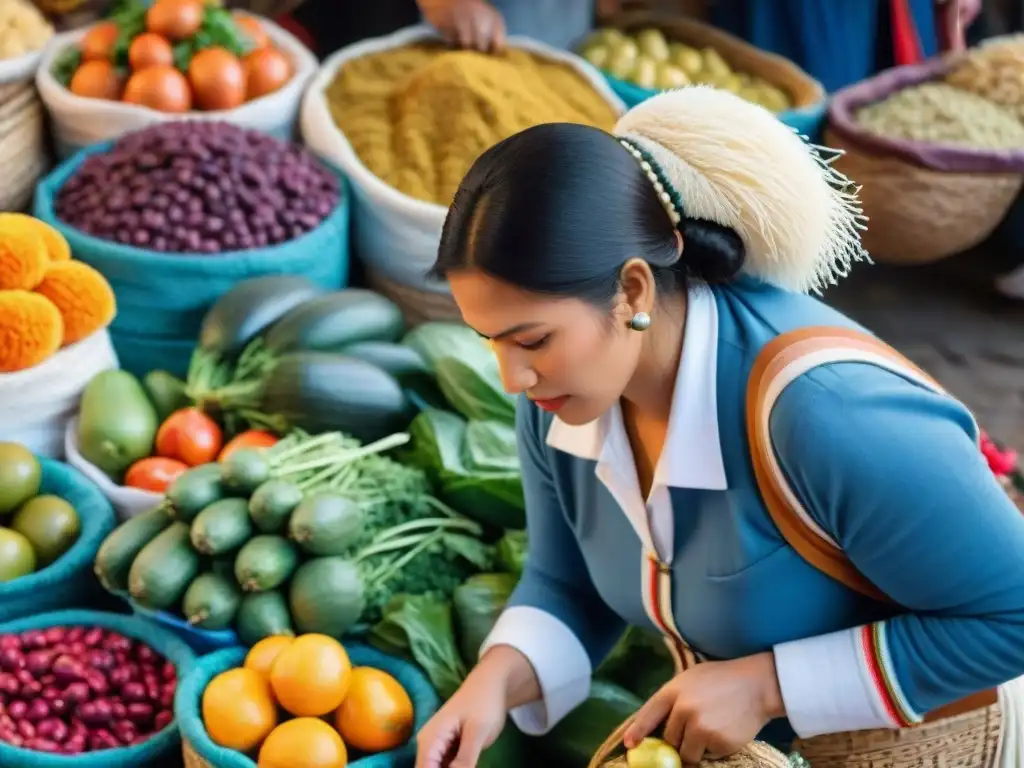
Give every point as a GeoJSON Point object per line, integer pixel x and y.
{"type": "Point", "coordinates": [905, 40]}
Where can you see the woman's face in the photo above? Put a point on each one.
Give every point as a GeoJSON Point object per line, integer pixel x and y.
{"type": "Point", "coordinates": [569, 357]}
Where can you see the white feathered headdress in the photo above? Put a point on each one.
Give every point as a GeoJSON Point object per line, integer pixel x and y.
{"type": "Point", "coordinates": [734, 163]}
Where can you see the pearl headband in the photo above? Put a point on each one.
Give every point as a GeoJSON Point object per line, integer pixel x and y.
{"type": "Point", "coordinates": [670, 199]}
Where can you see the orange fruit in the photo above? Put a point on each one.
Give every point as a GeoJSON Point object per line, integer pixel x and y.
{"type": "Point", "coordinates": [305, 742]}
{"type": "Point", "coordinates": [261, 656]}
{"type": "Point", "coordinates": [376, 714]}
{"type": "Point", "coordinates": [311, 676]}
{"type": "Point", "coordinates": [238, 709]}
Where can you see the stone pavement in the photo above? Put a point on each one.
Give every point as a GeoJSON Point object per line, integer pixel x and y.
{"type": "Point", "coordinates": [947, 320]}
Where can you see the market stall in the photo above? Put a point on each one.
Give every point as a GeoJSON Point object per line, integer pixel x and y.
{"type": "Point", "coordinates": [249, 514]}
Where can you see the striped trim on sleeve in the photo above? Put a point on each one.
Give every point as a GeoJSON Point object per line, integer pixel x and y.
{"type": "Point", "coordinates": [876, 657]}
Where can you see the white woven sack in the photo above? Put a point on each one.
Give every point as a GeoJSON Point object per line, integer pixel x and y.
{"type": "Point", "coordinates": [36, 404]}
{"type": "Point", "coordinates": [394, 233]}
{"type": "Point", "coordinates": [79, 122]}
{"type": "Point", "coordinates": [20, 67]}
{"type": "Point", "coordinates": [128, 502]}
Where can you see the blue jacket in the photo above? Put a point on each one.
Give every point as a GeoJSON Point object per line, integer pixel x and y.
{"type": "Point", "coordinates": [886, 468]}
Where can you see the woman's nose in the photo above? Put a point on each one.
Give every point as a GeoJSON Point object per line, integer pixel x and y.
{"type": "Point", "coordinates": [516, 375]}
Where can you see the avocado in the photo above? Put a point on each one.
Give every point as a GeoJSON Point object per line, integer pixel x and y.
{"type": "Point", "coordinates": [117, 423]}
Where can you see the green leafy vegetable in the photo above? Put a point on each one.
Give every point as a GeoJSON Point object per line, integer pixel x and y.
{"type": "Point", "coordinates": [478, 603]}
{"type": "Point", "coordinates": [512, 552]}
{"type": "Point", "coordinates": [492, 497]}
{"type": "Point", "coordinates": [490, 446]}
{"type": "Point", "coordinates": [425, 622]}
{"type": "Point", "coordinates": [65, 64]}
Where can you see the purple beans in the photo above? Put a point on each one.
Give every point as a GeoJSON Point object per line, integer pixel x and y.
{"type": "Point", "coordinates": [199, 188]}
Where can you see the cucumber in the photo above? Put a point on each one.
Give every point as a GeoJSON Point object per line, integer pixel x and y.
{"type": "Point", "coordinates": [163, 569]}
{"type": "Point", "coordinates": [211, 601]}
{"type": "Point", "coordinates": [265, 562]}
{"type": "Point", "coordinates": [326, 524]}
{"type": "Point", "coordinates": [194, 491]}
{"type": "Point", "coordinates": [119, 550]}
{"type": "Point", "coordinates": [329, 323]}
{"type": "Point", "coordinates": [326, 596]}
{"type": "Point", "coordinates": [272, 504]}
{"type": "Point", "coordinates": [117, 423]}
{"type": "Point", "coordinates": [249, 308]}
{"type": "Point", "coordinates": [244, 471]}
{"type": "Point", "coordinates": [326, 392]}
{"type": "Point", "coordinates": [579, 735]}
{"type": "Point", "coordinates": [222, 527]}
{"type": "Point", "coordinates": [405, 364]}
{"type": "Point", "coordinates": [167, 393]}
{"type": "Point", "coordinates": [262, 614]}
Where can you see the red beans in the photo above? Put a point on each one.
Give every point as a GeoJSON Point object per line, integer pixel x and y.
{"type": "Point", "coordinates": [70, 690]}
{"type": "Point", "coordinates": [199, 187]}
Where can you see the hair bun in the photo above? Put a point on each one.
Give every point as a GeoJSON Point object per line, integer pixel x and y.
{"type": "Point", "coordinates": [711, 252]}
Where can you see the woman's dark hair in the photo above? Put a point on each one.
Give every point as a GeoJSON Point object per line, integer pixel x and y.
{"type": "Point", "coordinates": [559, 208]}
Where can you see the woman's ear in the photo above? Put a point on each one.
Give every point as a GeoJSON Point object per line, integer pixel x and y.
{"type": "Point", "coordinates": [636, 286]}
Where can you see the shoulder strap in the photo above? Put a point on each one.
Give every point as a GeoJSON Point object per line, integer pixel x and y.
{"type": "Point", "coordinates": [779, 363]}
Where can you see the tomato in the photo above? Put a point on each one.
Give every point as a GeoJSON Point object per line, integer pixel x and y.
{"type": "Point", "coordinates": [164, 89]}
{"type": "Point", "coordinates": [154, 473]}
{"type": "Point", "coordinates": [218, 79]}
{"type": "Point", "coordinates": [96, 79]}
{"type": "Point", "coordinates": [253, 30]}
{"type": "Point", "coordinates": [98, 43]}
{"type": "Point", "coordinates": [191, 436]}
{"type": "Point", "coordinates": [251, 438]}
{"type": "Point", "coordinates": [150, 50]}
{"type": "Point", "coordinates": [267, 69]}
{"type": "Point", "coordinates": [175, 19]}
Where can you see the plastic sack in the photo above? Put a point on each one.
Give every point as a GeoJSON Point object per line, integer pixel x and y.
{"type": "Point", "coordinates": [397, 235]}
{"type": "Point", "coordinates": [157, 751]}
{"type": "Point", "coordinates": [162, 297]}
{"type": "Point", "coordinates": [37, 403]}
{"type": "Point", "coordinates": [78, 122]}
{"type": "Point", "coordinates": [923, 201]}
{"type": "Point", "coordinates": [128, 502]}
{"type": "Point", "coordinates": [201, 751]}
{"type": "Point", "coordinates": [808, 95]}
{"type": "Point", "coordinates": [68, 581]}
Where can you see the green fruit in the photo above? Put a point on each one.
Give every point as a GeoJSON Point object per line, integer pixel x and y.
{"type": "Point", "coordinates": [244, 471]}
{"type": "Point", "coordinates": [211, 601]}
{"type": "Point", "coordinates": [262, 614]}
{"type": "Point", "coordinates": [167, 393]}
{"type": "Point", "coordinates": [222, 527]}
{"type": "Point", "coordinates": [17, 557]}
{"type": "Point", "coordinates": [195, 490]}
{"type": "Point", "coordinates": [122, 545]}
{"type": "Point", "coordinates": [272, 504]}
{"type": "Point", "coordinates": [20, 476]}
{"type": "Point", "coordinates": [50, 524]}
{"type": "Point", "coordinates": [117, 423]}
{"type": "Point", "coordinates": [326, 524]}
{"type": "Point", "coordinates": [265, 562]}
{"type": "Point", "coordinates": [163, 569]}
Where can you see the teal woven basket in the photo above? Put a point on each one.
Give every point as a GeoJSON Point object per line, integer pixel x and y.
{"type": "Point", "coordinates": [156, 752]}
{"type": "Point", "coordinates": [201, 752]}
{"type": "Point", "coordinates": [69, 581]}
{"type": "Point", "coordinates": [163, 297]}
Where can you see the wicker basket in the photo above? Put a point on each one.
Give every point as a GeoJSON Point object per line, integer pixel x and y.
{"type": "Point", "coordinates": [418, 306]}
{"type": "Point", "coordinates": [924, 202]}
{"type": "Point", "coordinates": [22, 144]}
{"type": "Point", "coordinates": [191, 759]}
{"type": "Point", "coordinates": [756, 755]}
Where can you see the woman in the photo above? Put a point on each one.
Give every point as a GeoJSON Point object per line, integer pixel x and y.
{"type": "Point", "coordinates": [709, 452]}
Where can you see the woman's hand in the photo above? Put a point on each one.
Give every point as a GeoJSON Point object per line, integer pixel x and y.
{"type": "Point", "coordinates": [713, 709]}
{"type": "Point", "coordinates": [466, 23]}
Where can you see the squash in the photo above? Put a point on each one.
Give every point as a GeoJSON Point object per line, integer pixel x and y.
{"type": "Point", "coordinates": [245, 311]}
{"type": "Point", "coordinates": [265, 562]}
{"type": "Point", "coordinates": [119, 550]}
{"type": "Point", "coordinates": [211, 601]}
{"type": "Point", "coordinates": [221, 527]}
{"type": "Point", "coordinates": [163, 569]}
{"type": "Point", "coordinates": [332, 322]}
{"type": "Point", "coordinates": [263, 614]}
{"type": "Point", "coordinates": [326, 392]}
{"type": "Point", "coordinates": [326, 596]}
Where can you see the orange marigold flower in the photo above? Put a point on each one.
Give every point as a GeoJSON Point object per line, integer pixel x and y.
{"type": "Point", "coordinates": [57, 247]}
{"type": "Point", "coordinates": [83, 296]}
{"type": "Point", "coordinates": [31, 330]}
{"type": "Point", "coordinates": [23, 259]}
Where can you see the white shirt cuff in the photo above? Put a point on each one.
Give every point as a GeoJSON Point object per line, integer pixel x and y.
{"type": "Point", "coordinates": [558, 658]}
{"type": "Point", "coordinates": [827, 687]}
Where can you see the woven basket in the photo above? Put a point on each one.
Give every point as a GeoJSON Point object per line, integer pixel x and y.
{"type": "Point", "coordinates": [22, 144]}
{"type": "Point", "coordinates": [924, 202]}
{"type": "Point", "coordinates": [418, 306]}
{"type": "Point", "coordinates": [756, 755]}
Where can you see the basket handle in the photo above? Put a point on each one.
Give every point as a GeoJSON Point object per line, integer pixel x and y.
{"type": "Point", "coordinates": [612, 743]}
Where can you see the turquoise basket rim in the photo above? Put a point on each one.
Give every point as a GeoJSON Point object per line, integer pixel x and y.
{"type": "Point", "coordinates": [49, 187]}
{"type": "Point", "coordinates": [190, 691]}
{"type": "Point", "coordinates": [97, 519]}
{"type": "Point", "coordinates": [164, 643]}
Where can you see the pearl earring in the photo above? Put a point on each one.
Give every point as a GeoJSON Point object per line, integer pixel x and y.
{"type": "Point", "coordinates": [641, 321]}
